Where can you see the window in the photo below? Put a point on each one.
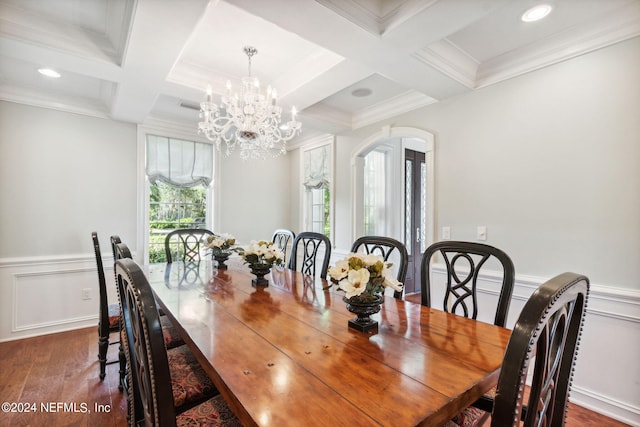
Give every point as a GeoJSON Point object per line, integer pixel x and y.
{"type": "Point", "coordinates": [375, 192]}
{"type": "Point", "coordinates": [317, 188]}
{"type": "Point", "coordinates": [171, 208]}
{"type": "Point", "coordinates": [179, 174]}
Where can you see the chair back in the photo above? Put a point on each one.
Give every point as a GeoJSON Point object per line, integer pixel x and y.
{"type": "Point", "coordinates": [282, 238]}
{"type": "Point", "coordinates": [115, 239]}
{"type": "Point", "coordinates": [103, 321]}
{"type": "Point", "coordinates": [385, 247]}
{"type": "Point", "coordinates": [460, 296]}
{"type": "Point", "coordinates": [121, 250]}
{"type": "Point", "coordinates": [185, 244]}
{"type": "Point", "coordinates": [546, 334]}
{"type": "Point", "coordinates": [149, 375]}
{"type": "Point", "coordinates": [309, 242]}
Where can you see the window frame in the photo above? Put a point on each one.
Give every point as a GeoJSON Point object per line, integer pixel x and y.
{"type": "Point", "coordinates": [160, 128]}
{"type": "Point", "coordinates": [305, 220]}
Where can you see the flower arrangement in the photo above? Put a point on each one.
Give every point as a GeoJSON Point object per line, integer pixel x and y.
{"type": "Point", "coordinates": [262, 253]}
{"type": "Point", "coordinates": [220, 244]}
{"type": "Point", "coordinates": [364, 276]}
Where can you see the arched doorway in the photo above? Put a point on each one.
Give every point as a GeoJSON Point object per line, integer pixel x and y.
{"type": "Point", "coordinates": [393, 188]}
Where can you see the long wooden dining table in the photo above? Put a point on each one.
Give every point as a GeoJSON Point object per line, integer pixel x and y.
{"type": "Point", "coordinates": [283, 355]}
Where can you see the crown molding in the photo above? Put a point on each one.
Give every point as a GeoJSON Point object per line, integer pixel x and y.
{"type": "Point", "coordinates": [450, 60]}
{"type": "Point", "coordinates": [395, 106]}
{"type": "Point", "coordinates": [377, 20]}
{"type": "Point", "coordinates": [613, 28]}
{"type": "Point", "coordinates": [83, 107]}
{"type": "Point", "coordinates": [454, 62]}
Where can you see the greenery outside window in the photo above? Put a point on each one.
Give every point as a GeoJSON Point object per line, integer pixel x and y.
{"type": "Point", "coordinates": [171, 208]}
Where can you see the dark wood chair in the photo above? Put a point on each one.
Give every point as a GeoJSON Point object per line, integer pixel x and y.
{"type": "Point", "coordinates": [460, 295]}
{"type": "Point", "coordinates": [310, 243]}
{"type": "Point", "coordinates": [282, 238]}
{"type": "Point", "coordinates": [167, 387]}
{"type": "Point", "coordinates": [109, 314]}
{"type": "Point", "coordinates": [546, 334]}
{"type": "Point", "coordinates": [385, 247]}
{"type": "Point", "coordinates": [185, 244]}
{"type": "Point", "coordinates": [172, 337]}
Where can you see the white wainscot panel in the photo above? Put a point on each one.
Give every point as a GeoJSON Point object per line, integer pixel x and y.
{"type": "Point", "coordinates": [53, 297]}
{"type": "Point", "coordinates": [42, 296]}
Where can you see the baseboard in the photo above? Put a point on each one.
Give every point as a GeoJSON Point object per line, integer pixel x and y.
{"type": "Point", "coordinates": [604, 405]}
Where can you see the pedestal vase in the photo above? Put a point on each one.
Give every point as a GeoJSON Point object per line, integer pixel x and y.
{"type": "Point", "coordinates": [363, 307]}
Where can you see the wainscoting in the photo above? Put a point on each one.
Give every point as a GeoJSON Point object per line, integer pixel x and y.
{"type": "Point", "coordinates": [53, 294]}
{"type": "Point", "coordinates": [45, 295]}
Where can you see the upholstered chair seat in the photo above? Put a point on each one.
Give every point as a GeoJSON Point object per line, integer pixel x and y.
{"type": "Point", "coordinates": [214, 413]}
{"type": "Point", "coordinates": [114, 316]}
{"type": "Point", "coordinates": [189, 383]}
{"type": "Point", "coordinates": [170, 334]}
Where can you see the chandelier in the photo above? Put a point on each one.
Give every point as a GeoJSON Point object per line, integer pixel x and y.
{"type": "Point", "coordinates": [249, 120]}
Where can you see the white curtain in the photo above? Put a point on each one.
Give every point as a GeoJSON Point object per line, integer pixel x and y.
{"type": "Point", "coordinates": [316, 168]}
{"type": "Point", "coordinates": [178, 162]}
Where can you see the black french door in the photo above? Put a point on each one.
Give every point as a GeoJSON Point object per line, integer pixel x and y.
{"type": "Point", "coordinates": [415, 216]}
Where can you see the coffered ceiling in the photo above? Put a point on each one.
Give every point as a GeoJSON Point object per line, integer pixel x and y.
{"type": "Point", "coordinates": [343, 63]}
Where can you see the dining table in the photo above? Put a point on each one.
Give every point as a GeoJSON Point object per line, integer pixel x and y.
{"type": "Point", "coordinates": [284, 355]}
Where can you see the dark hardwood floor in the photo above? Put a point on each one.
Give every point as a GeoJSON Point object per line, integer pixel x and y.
{"type": "Point", "coordinates": [53, 370]}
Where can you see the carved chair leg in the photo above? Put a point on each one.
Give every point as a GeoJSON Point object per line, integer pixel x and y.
{"type": "Point", "coordinates": [103, 346]}
{"type": "Point", "coordinates": [123, 368]}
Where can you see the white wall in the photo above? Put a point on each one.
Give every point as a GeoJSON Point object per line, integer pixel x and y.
{"type": "Point", "coordinates": [62, 176]}
{"type": "Point", "coordinates": [254, 197]}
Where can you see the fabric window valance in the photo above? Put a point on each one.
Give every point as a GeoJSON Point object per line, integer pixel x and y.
{"type": "Point", "coordinates": [178, 162]}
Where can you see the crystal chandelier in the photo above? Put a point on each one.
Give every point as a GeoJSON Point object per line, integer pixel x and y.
{"type": "Point", "coordinates": [249, 120]}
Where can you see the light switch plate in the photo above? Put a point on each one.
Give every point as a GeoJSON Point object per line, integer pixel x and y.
{"type": "Point", "coordinates": [482, 233]}
{"type": "Point", "coordinates": [446, 232]}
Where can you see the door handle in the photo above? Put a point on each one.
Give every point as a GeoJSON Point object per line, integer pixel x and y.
{"type": "Point", "coordinates": [418, 234]}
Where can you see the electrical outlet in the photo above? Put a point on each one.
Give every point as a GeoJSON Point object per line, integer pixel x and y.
{"type": "Point", "coordinates": [446, 232]}
{"type": "Point", "coordinates": [86, 293]}
{"type": "Point", "coordinates": [482, 233]}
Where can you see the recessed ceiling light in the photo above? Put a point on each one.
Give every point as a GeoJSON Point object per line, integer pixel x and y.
{"type": "Point", "coordinates": [361, 93]}
{"type": "Point", "coordinates": [49, 73]}
{"type": "Point", "coordinates": [536, 13]}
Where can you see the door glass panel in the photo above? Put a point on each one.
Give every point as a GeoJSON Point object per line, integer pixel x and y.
{"type": "Point", "coordinates": [375, 180]}
{"type": "Point", "coordinates": [408, 194]}
{"type": "Point", "coordinates": [423, 207]}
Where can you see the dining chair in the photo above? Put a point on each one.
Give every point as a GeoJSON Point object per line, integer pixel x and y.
{"type": "Point", "coordinates": [385, 247]}
{"type": "Point", "coordinates": [282, 238]}
{"type": "Point", "coordinates": [546, 335]}
{"type": "Point", "coordinates": [186, 244]}
{"type": "Point", "coordinates": [109, 314]}
{"type": "Point", "coordinates": [172, 337]}
{"type": "Point", "coordinates": [167, 387]}
{"type": "Point", "coordinates": [310, 243]}
{"type": "Point", "coordinates": [464, 261]}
